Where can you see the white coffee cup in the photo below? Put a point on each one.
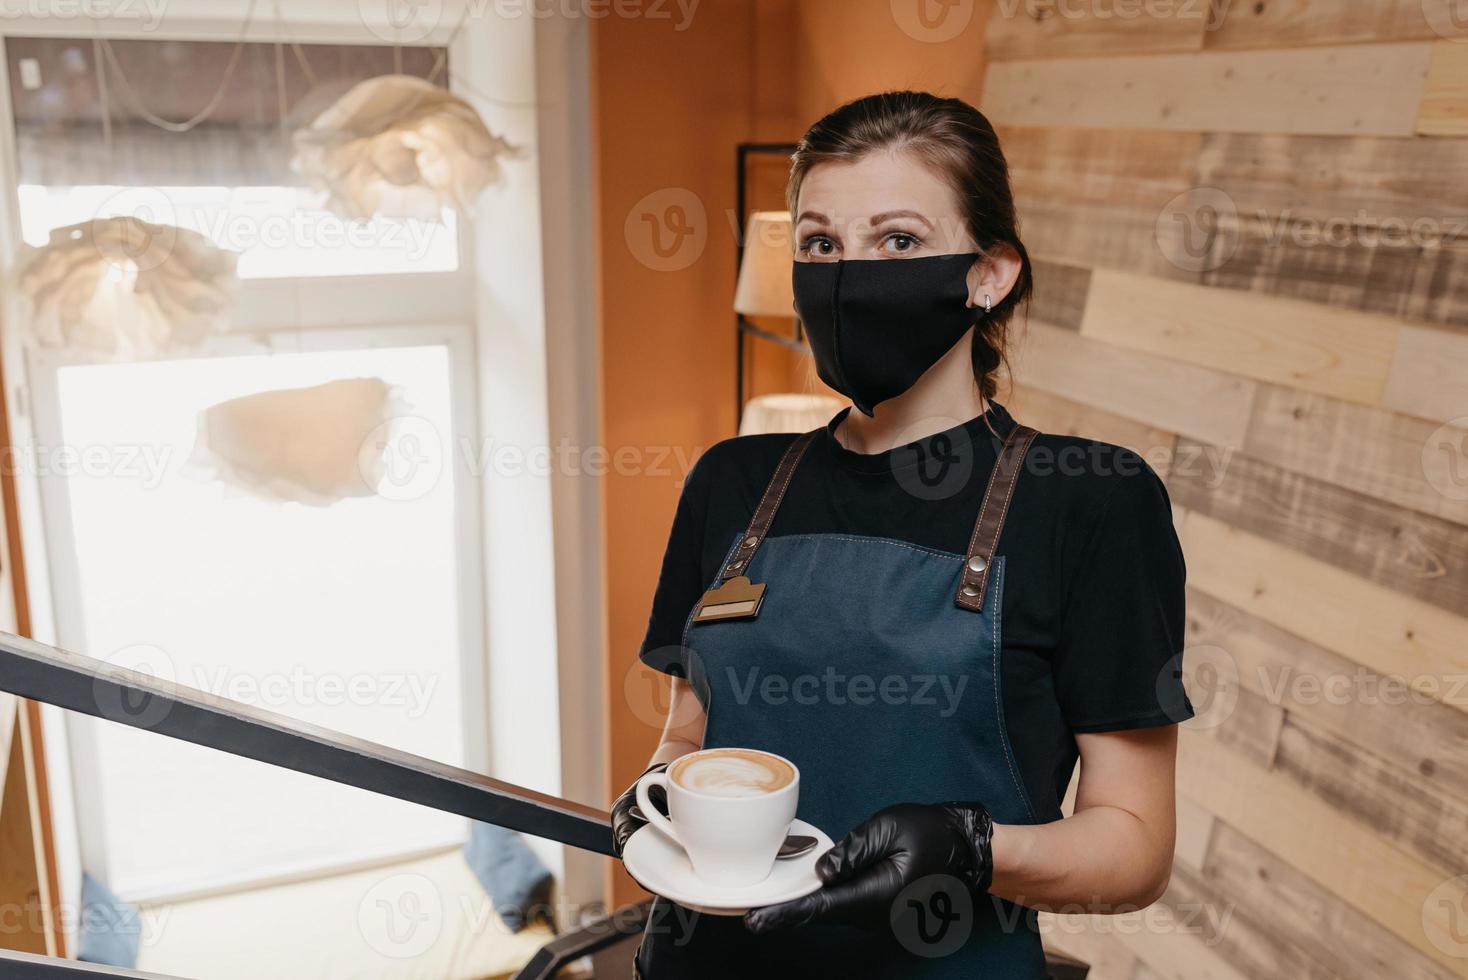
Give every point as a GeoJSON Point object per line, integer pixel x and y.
{"type": "Point", "coordinates": [731, 810]}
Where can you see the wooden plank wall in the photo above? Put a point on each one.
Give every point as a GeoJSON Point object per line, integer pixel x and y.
{"type": "Point", "coordinates": [1250, 227]}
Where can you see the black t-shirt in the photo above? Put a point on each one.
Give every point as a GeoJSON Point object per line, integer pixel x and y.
{"type": "Point", "coordinates": [1093, 603]}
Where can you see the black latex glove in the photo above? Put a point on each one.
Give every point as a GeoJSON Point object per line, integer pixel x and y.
{"type": "Point", "coordinates": [623, 822]}
{"type": "Point", "coordinates": [869, 867]}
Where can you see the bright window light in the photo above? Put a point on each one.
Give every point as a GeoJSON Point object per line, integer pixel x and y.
{"type": "Point", "coordinates": [345, 616]}
{"type": "Point", "coordinates": [279, 232]}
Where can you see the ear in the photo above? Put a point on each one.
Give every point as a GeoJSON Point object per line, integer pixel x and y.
{"type": "Point", "coordinates": [994, 274]}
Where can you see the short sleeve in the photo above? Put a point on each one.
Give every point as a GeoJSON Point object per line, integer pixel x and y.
{"type": "Point", "coordinates": [1119, 661]}
{"type": "Point", "coordinates": [680, 581]}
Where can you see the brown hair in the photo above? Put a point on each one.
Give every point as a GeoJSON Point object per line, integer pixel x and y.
{"type": "Point", "coordinates": [957, 140]}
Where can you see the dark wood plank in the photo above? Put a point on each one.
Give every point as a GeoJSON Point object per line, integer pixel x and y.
{"type": "Point", "coordinates": [1060, 293]}
{"type": "Point", "coordinates": [1396, 803]}
{"type": "Point", "coordinates": [1417, 735]}
{"type": "Point", "coordinates": [1369, 182]}
{"type": "Point", "coordinates": [1246, 722]}
{"type": "Point", "coordinates": [1418, 554]}
{"type": "Point", "coordinates": [1103, 236]}
{"type": "Point", "coordinates": [1092, 197]}
{"type": "Point", "coordinates": [1232, 933]}
{"type": "Point", "coordinates": [1399, 277]}
{"type": "Point", "coordinates": [1284, 924]}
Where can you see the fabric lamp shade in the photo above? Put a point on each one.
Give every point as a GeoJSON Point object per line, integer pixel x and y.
{"type": "Point", "coordinates": [315, 445]}
{"type": "Point", "coordinates": [787, 413]}
{"type": "Point", "coordinates": [401, 147]}
{"type": "Point", "coordinates": [124, 287]}
{"type": "Point", "coordinates": [764, 274]}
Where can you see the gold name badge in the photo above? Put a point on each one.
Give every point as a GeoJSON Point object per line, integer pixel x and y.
{"type": "Point", "coordinates": [738, 598]}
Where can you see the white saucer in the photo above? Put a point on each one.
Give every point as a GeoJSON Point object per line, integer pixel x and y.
{"type": "Point", "coordinates": [663, 868]}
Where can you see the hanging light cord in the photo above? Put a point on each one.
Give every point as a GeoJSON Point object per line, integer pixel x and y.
{"type": "Point", "coordinates": [136, 103]}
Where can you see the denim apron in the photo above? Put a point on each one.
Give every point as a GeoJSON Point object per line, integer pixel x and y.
{"type": "Point", "coordinates": [874, 665]}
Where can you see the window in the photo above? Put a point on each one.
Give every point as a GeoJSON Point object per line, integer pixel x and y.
{"type": "Point", "coordinates": [86, 148]}
{"type": "Point", "coordinates": [361, 616]}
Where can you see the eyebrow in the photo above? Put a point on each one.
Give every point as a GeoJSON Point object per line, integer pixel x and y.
{"type": "Point", "coordinates": [886, 216]}
{"type": "Point", "coordinates": [876, 219]}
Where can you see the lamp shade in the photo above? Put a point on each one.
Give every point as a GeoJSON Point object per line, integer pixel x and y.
{"type": "Point", "coordinates": [306, 445]}
{"type": "Point", "coordinates": [764, 274]}
{"type": "Point", "coordinates": [787, 413]}
{"type": "Point", "coordinates": [401, 147]}
{"type": "Point", "coordinates": [122, 287]}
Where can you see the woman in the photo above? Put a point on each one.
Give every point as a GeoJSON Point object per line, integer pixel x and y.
{"type": "Point", "coordinates": [967, 606]}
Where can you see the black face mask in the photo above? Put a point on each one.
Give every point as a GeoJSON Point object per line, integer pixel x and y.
{"type": "Point", "coordinates": [875, 325]}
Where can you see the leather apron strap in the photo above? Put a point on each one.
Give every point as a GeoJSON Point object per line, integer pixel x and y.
{"type": "Point", "coordinates": [982, 543]}
{"type": "Point", "coordinates": [764, 514]}
{"type": "Point", "coordinates": [995, 508]}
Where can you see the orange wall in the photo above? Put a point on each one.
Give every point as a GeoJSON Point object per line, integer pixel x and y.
{"type": "Point", "coordinates": [670, 107]}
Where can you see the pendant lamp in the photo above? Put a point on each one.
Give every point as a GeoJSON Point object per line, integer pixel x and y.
{"type": "Point", "coordinates": [313, 445]}
{"type": "Point", "coordinates": [400, 147]}
{"type": "Point", "coordinates": [125, 287]}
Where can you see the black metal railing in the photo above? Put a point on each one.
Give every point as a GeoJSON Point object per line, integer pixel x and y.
{"type": "Point", "coordinates": [44, 673]}
{"type": "Point", "coordinates": [68, 680]}
{"type": "Point", "coordinates": [28, 966]}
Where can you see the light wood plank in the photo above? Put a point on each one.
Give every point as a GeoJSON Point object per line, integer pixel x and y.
{"type": "Point", "coordinates": [1422, 556]}
{"type": "Point", "coordinates": [1345, 858]}
{"type": "Point", "coordinates": [1418, 735]}
{"type": "Point", "coordinates": [1064, 165]}
{"type": "Point", "coordinates": [1107, 957]}
{"type": "Point", "coordinates": [1444, 110]}
{"type": "Point", "coordinates": [1296, 23]}
{"type": "Point", "coordinates": [1287, 925]}
{"type": "Point", "coordinates": [1170, 945]}
{"type": "Point", "coordinates": [1194, 832]}
{"type": "Point", "coordinates": [1393, 802]}
{"type": "Point", "coordinates": [1056, 414]}
{"type": "Point", "coordinates": [1025, 29]}
{"type": "Point", "coordinates": [1356, 90]}
{"type": "Point", "coordinates": [1384, 631]}
{"type": "Point", "coordinates": [1394, 457]}
{"type": "Point", "coordinates": [1305, 345]}
{"type": "Point", "coordinates": [1167, 394]}
{"type": "Point", "coordinates": [1429, 374]}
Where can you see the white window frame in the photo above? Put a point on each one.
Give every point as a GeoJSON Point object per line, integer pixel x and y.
{"type": "Point", "coordinates": [67, 599]}
{"type": "Point", "coordinates": [277, 313]}
{"type": "Point", "coordinates": [538, 70]}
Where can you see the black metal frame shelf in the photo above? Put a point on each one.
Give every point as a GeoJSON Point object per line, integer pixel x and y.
{"type": "Point", "coordinates": [742, 325]}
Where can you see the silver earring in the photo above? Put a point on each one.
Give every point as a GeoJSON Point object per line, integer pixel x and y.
{"type": "Point", "coordinates": [988, 304]}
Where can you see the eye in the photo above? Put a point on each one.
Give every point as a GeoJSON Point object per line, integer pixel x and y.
{"type": "Point", "coordinates": [900, 241]}
{"type": "Point", "coordinates": [818, 246]}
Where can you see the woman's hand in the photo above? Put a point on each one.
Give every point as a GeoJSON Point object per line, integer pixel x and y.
{"type": "Point", "coordinates": [869, 867]}
{"type": "Point", "coordinates": [624, 824]}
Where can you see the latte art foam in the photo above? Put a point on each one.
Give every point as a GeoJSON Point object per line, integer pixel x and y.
{"type": "Point", "coordinates": [732, 773]}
